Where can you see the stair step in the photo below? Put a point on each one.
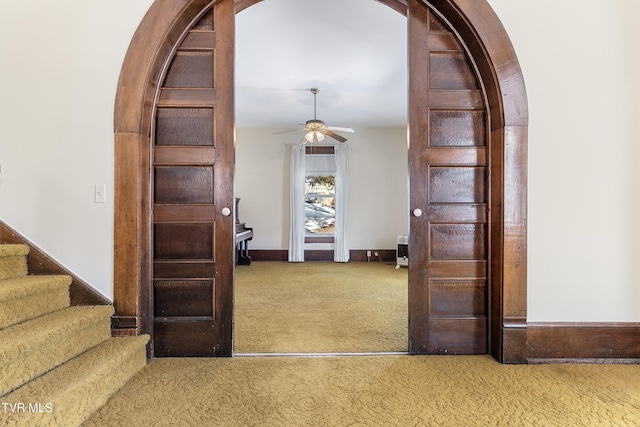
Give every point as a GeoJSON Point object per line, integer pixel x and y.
{"type": "Point", "coordinates": [28, 297]}
{"type": "Point", "coordinates": [34, 347]}
{"type": "Point", "coordinates": [69, 394]}
{"type": "Point", "coordinates": [13, 260]}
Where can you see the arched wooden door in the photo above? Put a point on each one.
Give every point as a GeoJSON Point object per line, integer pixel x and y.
{"type": "Point", "coordinates": [192, 157]}
{"type": "Point", "coordinates": [174, 177]}
{"type": "Point", "coordinates": [448, 242]}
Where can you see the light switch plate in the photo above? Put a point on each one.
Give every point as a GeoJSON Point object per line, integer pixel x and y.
{"type": "Point", "coordinates": [99, 194]}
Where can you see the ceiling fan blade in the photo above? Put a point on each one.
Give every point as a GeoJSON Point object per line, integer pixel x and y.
{"type": "Point", "coordinates": [288, 130]}
{"type": "Point", "coordinates": [334, 136]}
{"type": "Point", "coordinates": [341, 129]}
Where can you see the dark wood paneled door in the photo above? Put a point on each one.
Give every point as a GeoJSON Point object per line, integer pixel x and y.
{"type": "Point", "coordinates": [448, 241]}
{"type": "Point", "coordinates": [193, 202]}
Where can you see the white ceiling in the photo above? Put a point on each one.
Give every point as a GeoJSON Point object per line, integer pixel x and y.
{"type": "Point", "coordinates": [354, 51]}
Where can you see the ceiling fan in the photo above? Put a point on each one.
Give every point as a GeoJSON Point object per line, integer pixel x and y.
{"type": "Point", "coordinates": [317, 129]}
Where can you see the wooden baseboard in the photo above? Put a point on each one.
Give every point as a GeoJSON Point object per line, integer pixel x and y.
{"type": "Point", "coordinates": [553, 342]}
{"type": "Point", "coordinates": [269, 255]}
{"type": "Point", "coordinates": [384, 255]}
{"type": "Point", "coordinates": [356, 255]}
{"type": "Point", "coordinates": [38, 262]}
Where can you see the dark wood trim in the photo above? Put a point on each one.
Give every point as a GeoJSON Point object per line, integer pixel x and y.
{"type": "Point", "coordinates": [319, 255]}
{"type": "Point", "coordinates": [319, 239]}
{"type": "Point", "coordinates": [384, 255]}
{"type": "Point", "coordinates": [320, 149]}
{"type": "Point", "coordinates": [399, 6]}
{"type": "Point", "coordinates": [277, 255]}
{"type": "Point", "coordinates": [224, 138]}
{"type": "Point", "coordinates": [356, 255]}
{"type": "Point", "coordinates": [124, 326]}
{"type": "Point", "coordinates": [282, 255]}
{"type": "Point", "coordinates": [555, 341]}
{"type": "Point", "coordinates": [243, 4]}
{"type": "Point", "coordinates": [80, 292]}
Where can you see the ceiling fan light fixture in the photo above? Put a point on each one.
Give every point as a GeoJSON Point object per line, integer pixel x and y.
{"type": "Point", "coordinates": [314, 136]}
{"type": "Point", "coordinates": [309, 136]}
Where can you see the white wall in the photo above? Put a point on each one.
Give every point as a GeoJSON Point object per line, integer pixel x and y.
{"type": "Point", "coordinates": [583, 141]}
{"type": "Point", "coordinates": [59, 67]}
{"type": "Point", "coordinates": [378, 186]}
{"type": "Point", "coordinates": [60, 64]}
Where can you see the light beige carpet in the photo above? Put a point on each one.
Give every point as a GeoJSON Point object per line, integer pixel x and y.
{"type": "Point", "coordinates": [320, 307]}
{"type": "Point", "coordinates": [374, 391]}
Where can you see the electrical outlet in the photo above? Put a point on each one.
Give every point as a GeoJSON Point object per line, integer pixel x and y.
{"type": "Point", "coordinates": [368, 254]}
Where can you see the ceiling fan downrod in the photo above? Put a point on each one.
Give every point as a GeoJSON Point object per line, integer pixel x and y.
{"type": "Point", "coordinates": [314, 91]}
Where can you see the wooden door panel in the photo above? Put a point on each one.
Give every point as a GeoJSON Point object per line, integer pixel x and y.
{"type": "Point", "coordinates": [458, 335]}
{"type": "Point", "coordinates": [450, 70]}
{"type": "Point", "coordinates": [193, 246]}
{"type": "Point", "coordinates": [458, 297]}
{"type": "Point", "coordinates": [188, 241]}
{"type": "Point", "coordinates": [184, 126]}
{"type": "Point", "coordinates": [183, 185]}
{"type": "Point", "coordinates": [457, 185]}
{"type": "Point", "coordinates": [457, 241]}
{"type": "Point", "coordinates": [187, 337]}
{"type": "Point", "coordinates": [190, 69]}
{"type": "Point", "coordinates": [457, 128]}
{"type": "Point", "coordinates": [448, 165]}
{"type": "Point", "coordinates": [183, 298]}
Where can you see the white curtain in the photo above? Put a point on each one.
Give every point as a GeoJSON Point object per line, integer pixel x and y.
{"type": "Point", "coordinates": [341, 248]}
{"type": "Point", "coordinates": [296, 208]}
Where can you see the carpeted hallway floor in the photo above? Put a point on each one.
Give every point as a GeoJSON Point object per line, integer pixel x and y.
{"type": "Point", "coordinates": [297, 315]}
{"type": "Point", "coordinates": [374, 391]}
{"type": "Point", "coordinates": [320, 307]}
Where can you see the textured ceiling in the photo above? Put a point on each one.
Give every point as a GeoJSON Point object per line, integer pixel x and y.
{"type": "Point", "coordinates": [354, 51]}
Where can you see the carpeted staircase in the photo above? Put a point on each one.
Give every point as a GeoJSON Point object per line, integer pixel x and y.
{"type": "Point", "coordinates": [58, 364]}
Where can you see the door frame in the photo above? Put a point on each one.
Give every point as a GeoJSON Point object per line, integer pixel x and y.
{"type": "Point", "coordinates": [480, 31]}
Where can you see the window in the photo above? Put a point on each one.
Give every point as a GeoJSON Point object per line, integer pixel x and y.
{"type": "Point", "coordinates": [319, 200]}
{"type": "Point", "coordinates": [320, 205]}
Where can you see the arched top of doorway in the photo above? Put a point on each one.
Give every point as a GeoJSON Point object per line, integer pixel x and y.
{"type": "Point", "coordinates": [474, 21]}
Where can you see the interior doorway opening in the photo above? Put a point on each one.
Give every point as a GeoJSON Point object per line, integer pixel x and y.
{"type": "Point", "coordinates": [360, 87]}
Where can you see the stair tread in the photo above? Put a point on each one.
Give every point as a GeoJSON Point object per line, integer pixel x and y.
{"type": "Point", "coordinates": [100, 358]}
{"type": "Point", "coordinates": [19, 338]}
{"type": "Point", "coordinates": [80, 386]}
{"type": "Point", "coordinates": [31, 348]}
{"type": "Point", "coordinates": [19, 287]}
{"type": "Point", "coordinates": [10, 249]}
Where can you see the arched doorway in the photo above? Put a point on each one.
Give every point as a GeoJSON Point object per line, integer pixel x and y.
{"type": "Point", "coordinates": [474, 25]}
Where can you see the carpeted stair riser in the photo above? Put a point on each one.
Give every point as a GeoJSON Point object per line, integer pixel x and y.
{"type": "Point", "coordinates": [32, 348]}
{"type": "Point", "coordinates": [78, 388]}
{"type": "Point", "coordinates": [13, 261]}
{"type": "Point", "coordinates": [27, 297]}
{"type": "Point", "coordinates": [59, 364]}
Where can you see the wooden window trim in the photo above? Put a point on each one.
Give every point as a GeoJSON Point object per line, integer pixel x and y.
{"type": "Point", "coordinates": [319, 239]}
